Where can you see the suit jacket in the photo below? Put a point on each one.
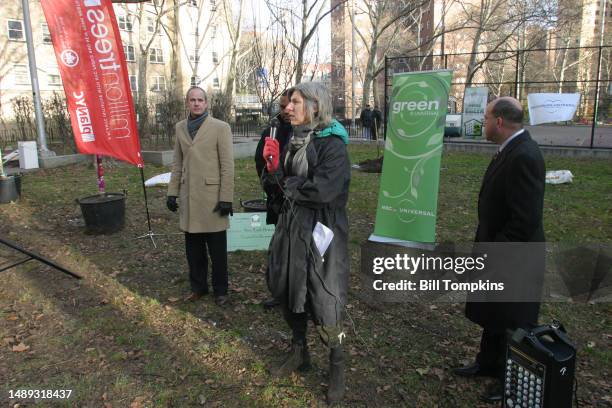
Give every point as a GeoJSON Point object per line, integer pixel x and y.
{"type": "Point", "coordinates": [510, 206]}
{"type": "Point", "coordinates": [203, 175]}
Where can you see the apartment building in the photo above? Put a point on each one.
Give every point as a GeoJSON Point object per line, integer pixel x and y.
{"type": "Point", "coordinates": [183, 44]}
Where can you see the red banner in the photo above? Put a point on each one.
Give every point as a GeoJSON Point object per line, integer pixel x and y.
{"type": "Point", "coordinates": [90, 56]}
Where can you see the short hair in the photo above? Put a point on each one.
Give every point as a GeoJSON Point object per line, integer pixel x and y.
{"type": "Point", "coordinates": [195, 87]}
{"type": "Point", "coordinates": [508, 111]}
{"type": "Point", "coordinates": [317, 102]}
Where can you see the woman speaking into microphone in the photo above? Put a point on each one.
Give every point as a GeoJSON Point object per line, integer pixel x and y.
{"type": "Point", "coordinates": [308, 276]}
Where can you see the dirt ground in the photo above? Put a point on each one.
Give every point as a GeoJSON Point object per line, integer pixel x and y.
{"type": "Point", "coordinates": [123, 337]}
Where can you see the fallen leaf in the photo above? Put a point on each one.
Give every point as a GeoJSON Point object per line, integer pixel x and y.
{"type": "Point", "coordinates": [202, 399]}
{"type": "Point", "coordinates": [20, 348]}
{"type": "Point", "coordinates": [433, 307]}
{"type": "Point", "coordinates": [422, 371]}
{"type": "Point", "coordinates": [8, 340]}
{"type": "Point", "coordinates": [12, 318]}
{"type": "Point", "coordinates": [173, 299]}
{"type": "Point", "coordinates": [591, 344]}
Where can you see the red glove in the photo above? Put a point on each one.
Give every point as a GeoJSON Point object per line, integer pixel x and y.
{"type": "Point", "coordinates": [271, 154]}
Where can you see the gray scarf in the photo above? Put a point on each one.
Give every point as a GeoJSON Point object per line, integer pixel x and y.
{"type": "Point", "coordinates": [302, 135]}
{"type": "Point", "coordinates": [193, 124]}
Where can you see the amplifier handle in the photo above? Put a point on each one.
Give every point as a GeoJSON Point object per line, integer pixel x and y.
{"type": "Point", "coordinates": [535, 342]}
{"type": "Point", "coordinates": [557, 333]}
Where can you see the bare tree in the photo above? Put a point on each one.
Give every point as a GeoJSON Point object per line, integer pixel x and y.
{"type": "Point", "coordinates": [234, 28]}
{"type": "Point", "coordinates": [300, 20]}
{"type": "Point", "coordinates": [493, 24]}
{"type": "Point", "coordinates": [149, 18]}
{"type": "Point", "coordinates": [274, 59]}
{"type": "Point", "coordinates": [198, 38]}
{"type": "Point", "coordinates": [388, 21]}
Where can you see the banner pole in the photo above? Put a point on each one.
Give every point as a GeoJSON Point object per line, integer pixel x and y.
{"type": "Point", "coordinates": [144, 190]}
{"type": "Point", "coordinates": [101, 184]}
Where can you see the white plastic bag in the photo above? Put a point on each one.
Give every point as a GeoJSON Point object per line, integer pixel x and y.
{"type": "Point", "coordinates": [160, 179]}
{"type": "Point", "coordinates": [559, 176]}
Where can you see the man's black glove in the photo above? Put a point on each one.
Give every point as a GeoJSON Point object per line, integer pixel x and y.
{"type": "Point", "coordinates": [224, 208]}
{"type": "Point", "coordinates": [171, 203]}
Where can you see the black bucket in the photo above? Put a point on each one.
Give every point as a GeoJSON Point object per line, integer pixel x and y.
{"type": "Point", "coordinates": [103, 213]}
{"type": "Point", "coordinates": [9, 190]}
{"type": "Point", "coordinates": [257, 205]}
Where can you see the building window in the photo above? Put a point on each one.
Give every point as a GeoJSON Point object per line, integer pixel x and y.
{"type": "Point", "coordinates": [22, 74]}
{"type": "Point", "coordinates": [46, 35]}
{"type": "Point", "coordinates": [213, 31]}
{"type": "Point", "coordinates": [215, 58]}
{"type": "Point", "coordinates": [213, 5]}
{"type": "Point", "coordinates": [194, 57]}
{"type": "Point", "coordinates": [156, 56]}
{"type": "Point", "coordinates": [215, 82]}
{"type": "Point", "coordinates": [195, 80]}
{"type": "Point", "coordinates": [125, 23]}
{"type": "Point", "coordinates": [159, 83]}
{"type": "Point", "coordinates": [15, 30]}
{"type": "Point", "coordinates": [133, 84]}
{"type": "Point", "coordinates": [193, 3]}
{"type": "Point", "coordinates": [130, 55]}
{"type": "Point", "coordinates": [150, 25]}
{"type": "Point", "coordinates": [54, 79]}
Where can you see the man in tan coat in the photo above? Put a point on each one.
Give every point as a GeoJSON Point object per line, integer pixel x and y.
{"type": "Point", "coordinates": [203, 180]}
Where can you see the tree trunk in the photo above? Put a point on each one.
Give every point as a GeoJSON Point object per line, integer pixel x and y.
{"type": "Point", "coordinates": [230, 84]}
{"type": "Point", "coordinates": [142, 108]}
{"type": "Point", "coordinates": [175, 63]}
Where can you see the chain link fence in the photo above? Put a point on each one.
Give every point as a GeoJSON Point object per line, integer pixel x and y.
{"type": "Point", "coordinates": [517, 73]}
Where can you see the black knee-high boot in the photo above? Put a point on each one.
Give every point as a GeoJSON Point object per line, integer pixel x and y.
{"type": "Point", "coordinates": [298, 358]}
{"type": "Point", "coordinates": [335, 392]}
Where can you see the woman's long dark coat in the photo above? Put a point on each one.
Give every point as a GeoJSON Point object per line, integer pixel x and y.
{"type": "Point", "coordinates": [297, 273]}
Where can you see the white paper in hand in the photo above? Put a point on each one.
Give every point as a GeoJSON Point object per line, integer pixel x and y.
{"type": "Point", "coordinates": [322, 237]}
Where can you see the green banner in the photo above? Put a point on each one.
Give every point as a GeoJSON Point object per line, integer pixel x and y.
{"type": "Point", "coordinates": [408, 197]}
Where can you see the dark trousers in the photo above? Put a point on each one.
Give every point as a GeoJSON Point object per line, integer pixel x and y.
{"type": "Point", "coordinates": [492, 354]}
{"type": "Point", "coordinates": [197, 248]}
{"type": "Point", "coordinates": [298, 322]}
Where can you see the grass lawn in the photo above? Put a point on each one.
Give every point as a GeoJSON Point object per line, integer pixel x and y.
{"type": "Point", "coordinates": [122, 337]}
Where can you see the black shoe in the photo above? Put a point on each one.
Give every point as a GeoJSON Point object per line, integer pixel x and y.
{"type": "Point", "coordinates": [270, 304]}
{"type": "Point", "coordinates": [298, 359]}
{"type": "Point", "coordinates": [221, 300]}
{"type": "Point", "coordinates": [474, 370]}
{"type": "Point", "coordinates": [494, 393]}
{"type": "Point", "coordinates": [336, 387]}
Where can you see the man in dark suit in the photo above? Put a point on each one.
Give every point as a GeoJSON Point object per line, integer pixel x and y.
{"type": "Point", "coordinates": [283, 134]}
{"type": "Point", "coordinates": [509, 210]}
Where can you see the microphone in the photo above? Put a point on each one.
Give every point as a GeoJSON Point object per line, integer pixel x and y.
{"type": "Point", "coordinates": [274, 124]}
